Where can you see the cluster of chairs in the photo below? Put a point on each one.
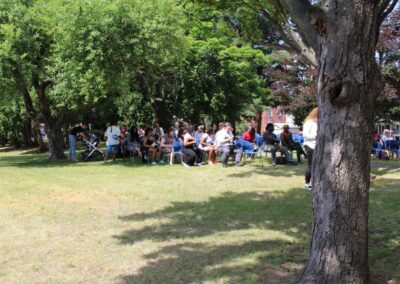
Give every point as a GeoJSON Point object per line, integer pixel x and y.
{"type": "Point", "coordinates": [252, 152]}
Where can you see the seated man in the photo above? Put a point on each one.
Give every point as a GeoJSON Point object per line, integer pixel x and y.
{"type": "Point", "coordinates": [288, 142]}
{"type": "Point", "coordinates": [272, 144]}
{"type": "Point", "coordinates": [224, 140]}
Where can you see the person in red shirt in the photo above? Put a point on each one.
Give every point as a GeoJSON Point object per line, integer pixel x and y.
{"type": "Point", "coordinates": [249, 135]}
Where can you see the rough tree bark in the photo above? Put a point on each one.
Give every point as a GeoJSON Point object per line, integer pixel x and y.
{"type": "Point", "coordinates": [53, 125]}
{"type": "Point", "coordinates": [349, 83]}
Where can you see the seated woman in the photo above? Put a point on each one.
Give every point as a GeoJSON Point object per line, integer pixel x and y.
{"type": "Point", "coordinates": [378, 145]}
{"type": "Point", "coordinates": [189, 156]}
{"type": "Point", "coordinates": [249, 135]}
{"type": "Point", "coordinates": [288, 142]}
{"type": "Point", "coordinates": [150, 145]}
{"type": "Point", "coordinates": [167, 145]}
{"type": "Point", "coordinates": [190, 142]}
{"type": "Point", "coordinates": [207, 145]}
{"type": "Point", "coordinates": [249, 138]}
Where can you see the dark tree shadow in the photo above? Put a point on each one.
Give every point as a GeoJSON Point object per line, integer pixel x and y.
{"type": "Point", "coordinates": [384, 230]}
{"type": "Point", "coordinates": [197, 263]}
{"type": "Point", "coordinates": [268, 170]}
{"type": "Point", "coordinates": [288, 212]}
{"type": "Point", "coordinates": [280, 261]}
{"type": "Point", "coordinates": [230, 211]}
{"type": "Point", "coordinates": [37, 160]}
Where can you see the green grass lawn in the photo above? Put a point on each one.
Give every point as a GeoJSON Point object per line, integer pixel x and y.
{"type": "Point", "coordinates": [129, 223]}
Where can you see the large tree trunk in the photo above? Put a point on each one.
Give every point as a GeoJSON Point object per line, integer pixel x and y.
{"type": "Point", "coordinates": [53, 126]}
{"type": "Point", "coordinates": [56, 141]}
{"type": "Point", "coordinates": [348, 86]}
{"type": "Point", "coordinates": [27, 133]}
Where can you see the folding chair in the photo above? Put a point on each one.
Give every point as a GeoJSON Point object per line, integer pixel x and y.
{"type": "Point", "coordinates": [249, 151]}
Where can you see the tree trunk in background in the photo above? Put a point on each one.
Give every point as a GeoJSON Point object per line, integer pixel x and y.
{"type": "Point", "coordinates": [31, 113]}
{"type": "Point", "coordinates": [161, 114]}
{"type": "Point", "coordinates": [259, 122]}
{"type": "Point", "coordinates": [53, 126]}
{"type": "Point", "coordinates": [348, 86]}
{"type": "Point", "coordinates": [160, 109]}
{"type": "Point", "coordinates": [15, 140]}
{"type": "Point", "coordinates": [27, 134]}
{"type": "Point", "coordinates": [56, 141]}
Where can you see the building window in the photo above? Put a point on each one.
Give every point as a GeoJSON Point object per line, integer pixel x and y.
{"type": "Point", "coordinates": [269, 112]}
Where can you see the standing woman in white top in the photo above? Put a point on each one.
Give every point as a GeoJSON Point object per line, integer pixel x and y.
{"type": "Point", "coordinates": [310, 128]}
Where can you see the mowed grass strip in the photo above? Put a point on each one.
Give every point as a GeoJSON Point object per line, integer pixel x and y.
{"type": "Point", "coordinates": [133, 223]}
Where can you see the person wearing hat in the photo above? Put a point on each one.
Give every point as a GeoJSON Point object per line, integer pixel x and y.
{"type": "Point", "coordinates": [288, 142]}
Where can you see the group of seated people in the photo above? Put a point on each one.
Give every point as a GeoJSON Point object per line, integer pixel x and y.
{"type": "Point", "coordinates": [154, 146]}
{"type": "Point", "coordinates": [285, 144]}
{"type": "Point", "coordinates": [385, 144]}
{"type": "Point", "coordinates": [192, 144]}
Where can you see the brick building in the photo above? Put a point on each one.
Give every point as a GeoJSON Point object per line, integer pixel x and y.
{"type": "Point", "coordinates": [278, 117]}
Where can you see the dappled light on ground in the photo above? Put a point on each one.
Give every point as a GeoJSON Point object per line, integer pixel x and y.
{"type": "Point", "coordinates": [133, 223]}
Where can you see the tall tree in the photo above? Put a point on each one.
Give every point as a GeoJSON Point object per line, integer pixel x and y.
{"type": "Point", "coordinates": [344, 35]}
{"type": "Point", "coordinates": [160, 47]}
{"type": "Point", "coordinates": [67, 54]}
{"type": "Point", "coordinates": [339, 37]}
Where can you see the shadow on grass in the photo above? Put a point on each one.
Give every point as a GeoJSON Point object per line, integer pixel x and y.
{"type": "Point", "coordinates": [26, 160]}
{"type": "Point", "coordinates": [277, 171]}
{"type": "Point", "coordinates": [384, 244]}
{"type": "Point", "coordinates": [384, 171]}
{"type": "Point", "coordinates": [228, 212]}
{"type": "Point", "coordinates": [288, 214]}
{"type": "Point", "coordinates": [185, 259]}
{"type": "Point", "coordinates": [37, 160]}
{"type": "Point", "coordinates": [199, 263]}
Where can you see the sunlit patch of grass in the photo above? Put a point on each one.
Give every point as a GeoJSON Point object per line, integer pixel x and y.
{"type": "Point", "coordinates": [133, 223]}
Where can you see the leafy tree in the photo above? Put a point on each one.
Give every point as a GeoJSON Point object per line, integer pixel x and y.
{"type": "Point", "coordinates": [223, 73]}
{"type": "Point", "coordinates": [160, 47]}
{"type": "Point", "coordinates": [333, 35]}
{"type": "Point", "coordinates": [222, 80]}
{"type": "Point", "coordinates": [68, 53]}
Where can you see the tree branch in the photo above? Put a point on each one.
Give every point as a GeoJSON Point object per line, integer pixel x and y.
{"type": "Point", "coordinates": [386, 7]}
{"type": "Point", "coordinates": [66, 114]}
{"type": "Point", "coordinates": [289, 35]}
{"type": "Point", "coordinates": [302, 14]}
